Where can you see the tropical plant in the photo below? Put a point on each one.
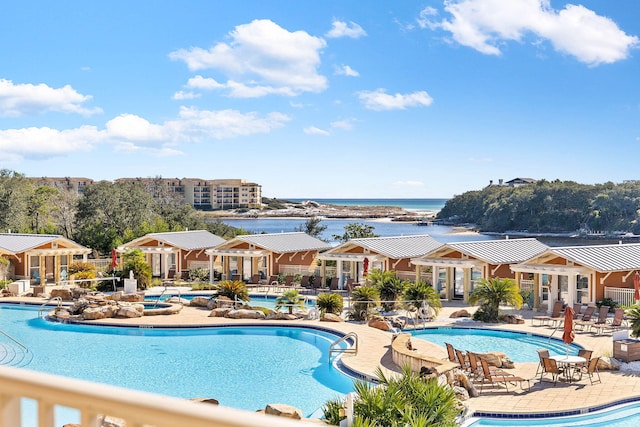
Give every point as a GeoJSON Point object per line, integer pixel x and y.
{"type": "Point", "coordinates": [492, 292]}
{"type": "Point", "coordinates": [419, 293]}
{"type": "Point", "coordinates": [4, 267]}
{"type": "Point", "coordinates": [312, 227]}
{"type": "Point", "coordinates": [330, 303]}
{"type": "Point", "coordinates": [608, 302]}
{"type": "Point", "coordinates": [332, 412]}
{"type": "Point", "coordinates": [364, 300]}
{"type": "Point", "coordinates": [633, 314]}
{"type": "Point", "coordinates": [291, 299]}
{"type": "Point", "coordinates": [355, 230]}
{"type": "Point", "coordinates": [234, 290]}
{"type": "Point", "coordinates": [389, 286]}
{"type": "Point", "coordinates": [134, 260]}
{"type": "Point", "coordinates": [404, 400]}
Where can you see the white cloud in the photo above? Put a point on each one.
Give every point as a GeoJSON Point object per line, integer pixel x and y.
{"type": "Point", "coordinates": [312, 130]}
{"type": "Point", "coordinates": [345, 70]}
{"type": "Point", "coordinates": [132, 133]}
{"type": "Point", "coordinates": [262, 56]}
{"type": "Point", "coordinates": [206, 83]}
{"type": "Point", "coordinates": [181, 95]}
{"type": "Point", "coordinates": [575, 30]}
{"type": "Point", "coordinates": [19, 99]}
{"type": "Point", "coordinates": [344, 29]}
{"type": "Point", "coordinates": [408, 184]}
{"type": "Point", "coordinates": [379, 100]}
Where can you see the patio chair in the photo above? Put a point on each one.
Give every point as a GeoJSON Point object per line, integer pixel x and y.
{"type": "Point", "coordinates": [499, 377]}
{"type": "Point", "coordinates": [462, 361]}
{"type": "Point", "coordinates": [555, 315]}
{"type": "Point", "coordinates": [542, 353]}
{"type": "Point", "coordinates": [582, 367]}
{"type": "Point", "coordinates": [616, 322]}
{"type": "Point", "coordinates": [592, 369]}
{"type": "Point", "coordinates": [602, 318]}
{"type": "Point", "coordinates": [317, 284]}
{"type": "Point", "coordinates": [475, 366]}
{"type": "Point", "coordinates": [585, 320]}
{"type": "Point", "coordinates": [550, 366]}
{"type": "Point", "coordinates": [254, 281]}
{"type": "Point", "coordinates": [236, 277]}
{"type": "Point", "coordinates": [333, 287]}
{"type": "Point", "coordinates": [272, 282]}
{"type": "Point", "coordinates": [577, 308]}
{"type": "Point", "coordinates": [305, 284]}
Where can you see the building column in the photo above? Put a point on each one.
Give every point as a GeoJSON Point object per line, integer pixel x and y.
{"type": "Point", "coordinates": [42, 270]}
{"type": "Point", "coordinates": [339, 273]}
{"type": "Point", "coordinates": [553, 291]}
{"type": "Point", "coordinates": [466, 283]}
{"type": "Point", "coordinates": [211, 258]}
{"type": "Point", "coordinates": [572, 280]}
{"type": "Point", "coordinates": [537, 287]}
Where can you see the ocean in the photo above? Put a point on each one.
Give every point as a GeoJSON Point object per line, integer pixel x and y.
{"type": "Point", "coordinates": [416, 205]}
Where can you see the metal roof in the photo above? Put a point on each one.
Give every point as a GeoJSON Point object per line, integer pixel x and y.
{"type": "Point", "coordinates": [496, 252]}
{"type": "Point", "coordinates": [616, 257]}
{"type": "Point", "coordinates": [17, 243]}
{"type": "Point", "coordinates": [396, 247]}
{"type": "Point", "coordinates": [188, 240]}
{"type": "Point", "coordinates": [283, 242]}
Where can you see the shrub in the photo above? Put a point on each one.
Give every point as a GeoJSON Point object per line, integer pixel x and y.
{"type": "Point", "coordinates": [199, 275]}
{"type": "Point", "coordinates": [609, 302]}
{"type": "Point", "coordinates": [84, 275]}
{"type": "Point", "coordinates": [330, 303]}
{"type": "Point", "coordinates": [80, 266]}
{"type": "Point", "coordinates": [419, 293]}
{"type": "Point", "coordinates": [364, 300]}
{"type": "Point", "coordinates": [234, 290]}
{"type": "Point", "coordinates": [135, 260]}
{"type": "Point", "coordinates": [291, 299]}
{"type": "Point", "coordinates": [331, 412]}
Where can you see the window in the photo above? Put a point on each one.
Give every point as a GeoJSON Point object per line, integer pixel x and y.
{"type": "Point", "coordinates": [34, 267]}
{"type": "Point", "coordinates": [582, 289]}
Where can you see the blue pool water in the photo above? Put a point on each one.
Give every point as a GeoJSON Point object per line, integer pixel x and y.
{"type": "Point", "coordinates": [518, 347]}
{"type": "Point", "coordinates": [242, 367]}
{"type": "Point", "coordinates": [627, 415]}
{"type": "Point", "coordinates": [266, 301]}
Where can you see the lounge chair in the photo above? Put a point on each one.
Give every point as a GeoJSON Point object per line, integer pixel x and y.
{"type": "Point", "coordinates": [254, 281]}
{"type": "Point", "coordinates": [317, 284]}
{"type": "Point", "coordinates": [451, 353]}
{"type": "Point", "coordinates": [601, 320]}
{"type": "Point", "coordinates": [555, 315]}
{"type": "Point", "coordinates": [577, 308]}
{"type": "Point", "coordinates": [288, 282]}
{"type": "Point", "coordinates": [305, 284]}
{"type": "Point", "coordinates": [499, 377]}
{"type": "Point", "coordinates": [550, 366]}
{"type": "Point", "coordinates": [272, 282]}
{"type": "Point", "coordinates": [616, 322]}
{"type": "Point", "coordinates": [236, 277]}
{"type": "Point", "coordinates": [585, 320]}
{"type": "Point", "coordinates": [475, 366]}
{"type": "Point", "coordinates": [333, 287]}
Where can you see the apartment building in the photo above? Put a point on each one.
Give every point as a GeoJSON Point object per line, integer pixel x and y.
{"type": "Point", "coordinates": [213, 194]}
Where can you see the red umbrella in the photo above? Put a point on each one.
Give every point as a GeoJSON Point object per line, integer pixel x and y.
{"type": "Point", "coordinates": [636, 286]}
{"type": "Point", "coordinates": [568, 334]}
{"type": "Point", "coordinates": [365, 267]}
{"type": "Point", "coordinates": [114, 258]}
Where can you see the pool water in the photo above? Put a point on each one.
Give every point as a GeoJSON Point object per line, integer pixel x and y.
{"type": "Point", "coordinates": [627, 415]}
{"type": "Point", "coordinates": [241, 367]}
{"type": "Point", "coordinates": [257, 301]}
{"type": "Point", "coordinates": [519, 347]}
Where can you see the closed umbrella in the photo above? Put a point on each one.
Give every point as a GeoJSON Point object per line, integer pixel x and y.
{"type": "Point", "coordinates": [568, 334]}
{"type": "Point", "coordinates": [365, 267]}
{"type": "Point", "coordinates": [114, 258]}
{"type": "Point", "coordinates": [636, 286]}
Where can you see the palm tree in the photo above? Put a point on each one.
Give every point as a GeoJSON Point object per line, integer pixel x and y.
{"type": "Point", "coordinates": [419, 293]}
{"type": "Point", "coordinates": [389, 286]}
{"type": "Point", "coordinates": [404, 400]}
{"type": "Point", "coordinates": [330, 303]}
{"type": "Point", "coordinates": [633, 314]}
{"type": "Point", "coordinates": [363, 300]}
{"type": "Point", "coordinates": [234, 290]}
{"type": "Point", "coordinates": [291, 299]}
{"type": "Point", "coordinates": [492, 292]}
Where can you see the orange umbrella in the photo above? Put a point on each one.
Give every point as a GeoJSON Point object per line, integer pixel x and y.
{"type": "Point", "coordinates": [568, 334]}
{"type": "Point", "coordinates": [636, 286]}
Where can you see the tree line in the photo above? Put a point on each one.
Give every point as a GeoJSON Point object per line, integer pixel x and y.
{"type": "Point", "coordinates": [549, 207]}
{"type": "Point", "coordinates": [106, 215]}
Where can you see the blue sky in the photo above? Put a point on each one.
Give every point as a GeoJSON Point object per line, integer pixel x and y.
{"type": "Point", "coordinates": [323, 98]}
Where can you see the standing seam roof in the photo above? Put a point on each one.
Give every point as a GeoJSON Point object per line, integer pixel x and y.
{"type": "Point", "coordinates": [398, 247]}
{"type": "Point", "coordinates": [285, 242]}
{"type": "Point", "coordinates": [501, 251]}
{"type": "Point", "coordinates": [603, 257]}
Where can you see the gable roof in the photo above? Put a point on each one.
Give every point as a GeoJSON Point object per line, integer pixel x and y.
{"type": "Point", "coordinates": [187, 240]}
{"type": "Point", "coordinates": [281, 242]}
{"type": "Point", "coordinates": [14, 243]}
{"type": "Point", "coordinates": [396, 247]}
{"type": "Point", "coordinates": [615, 257]}
{"type": "Point", "coordinates": [508, 251]}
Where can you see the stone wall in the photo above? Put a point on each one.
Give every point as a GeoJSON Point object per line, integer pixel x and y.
{"type": "Point", "coordinates": [403, 354]}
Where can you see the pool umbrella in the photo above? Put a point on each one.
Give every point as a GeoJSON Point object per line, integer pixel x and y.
{"type": "Point", "coordinates": [636, 286]}
{"type": "Point", "coordinates": [568, 334]}
{"type": "Point", "coordinates": [365, 267]}
{"type": "Point", "coordinates": [114, 258]}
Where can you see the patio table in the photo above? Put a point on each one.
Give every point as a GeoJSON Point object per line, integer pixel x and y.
{"type": "Point", "coordinates": [568, 363]}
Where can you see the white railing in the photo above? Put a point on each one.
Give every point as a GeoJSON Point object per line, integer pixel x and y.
{"type": "Point", "coordinates": [623, 296]}
{"type": "Point", "coordinates": [135, 408]}
{"type": "Point", "coordinates": [102, 264]}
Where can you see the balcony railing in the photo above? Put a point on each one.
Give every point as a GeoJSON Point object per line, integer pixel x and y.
{"type": "Point", "coordinates": [135, 408]}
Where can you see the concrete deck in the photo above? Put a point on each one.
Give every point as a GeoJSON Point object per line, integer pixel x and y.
{"type": "Point", "coordinates": [374, 352]}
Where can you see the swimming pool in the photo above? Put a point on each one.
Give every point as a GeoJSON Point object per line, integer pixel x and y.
{"type": "Point", "coordinates": [267, 301]}
{"type": "Point", "coordinates": [625, 415]}
{"type": "Point", "coordinates": [519, 347]}
{"type": "Point", "coordinates": [241, 367]}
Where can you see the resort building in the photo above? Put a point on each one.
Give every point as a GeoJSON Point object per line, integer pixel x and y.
{"type": "Point", "coordinates": [75, 185]}
{"type": "Point", "coordinates": [515, 182]}
{"type": "Point", "coordinates": [581, 274]}
{"type": "Point", "coordinates": [40, 258]}
{"type": "Point", "coordinates": [456, 266]}
{"type": "Point", "coordinates": [266, 255]}
{"type": "Point", "coordinates": [172, 255]}
{"type": "Point", "coordinates": [357, 256]}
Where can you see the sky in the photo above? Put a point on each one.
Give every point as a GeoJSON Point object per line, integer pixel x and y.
{"type": "Point", "coordinates": [323, 99]}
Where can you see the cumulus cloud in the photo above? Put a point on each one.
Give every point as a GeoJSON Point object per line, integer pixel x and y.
{"type": "Point", "coordinates": [379, 100]}
{"type": "Point", "coordinates": [20, 99]}
{"type": "Point", "coordinates": [344, 29]}
{"type": "Point", "coordinates": [345, 70]}
{"type": "Point", "coordinates": [131, 133]}
{"type": "Point", "coordinates": [207, 83]}
{"type": "Point", "coordinates": [181, 95]}
{"type": "Point", "coordinates": [346, 124]}
{"type": "Point", "coordinates": [261, 59]}
{"type": "Point", "coordinates": [312, 130]}
{"type": "Point", "coordinates": [575, 30]}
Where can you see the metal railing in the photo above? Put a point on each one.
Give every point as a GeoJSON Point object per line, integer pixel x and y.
{"type": "Point", "coordinates": [623, 296]}
{"type": "Point", "coordinates": [46, 303]}
{"type": "Point", "coordinates": [352, 349]}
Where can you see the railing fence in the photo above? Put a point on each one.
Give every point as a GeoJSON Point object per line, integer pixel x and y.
{"type": "Point", "coordinates": [623, 296]}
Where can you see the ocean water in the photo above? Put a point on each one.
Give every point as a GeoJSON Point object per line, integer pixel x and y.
{"type": "Point", "coordinates": [444, 234]}
{"type": "Point", "coordinates": [418, 205]}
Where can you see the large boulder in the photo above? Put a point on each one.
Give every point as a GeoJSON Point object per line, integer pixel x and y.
{"type": "Point", "coordinates": [245, 314]}
{"type": "Point", "coordinates": [130, 311]}
{"type": "Point", "coordinates": [276, 315]}
{"type": "Point", "coordinates": [219, 312]}
{"type": "Point", "coordinates": [93, 313]}
{"type": "Point", "coordinates": [283, 410]}
{"type": "Point", "coordinates": [330, 317]}
{"type": "Point", "coordinates": [379, 323]}
{"type": "Point", "coordinates": [199, 301]}
{"type": "Point", "coordinates": [459, 313]}
{"type": "Point", "coordinates": [64, 294]}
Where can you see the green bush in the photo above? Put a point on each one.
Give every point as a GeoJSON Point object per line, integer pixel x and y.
{"type": "Point", "coordinates": [608, 302]}
{"type": "Point", "coordinates": [364, 300]}
{"type": "Point", "coordinates": [331, 412]}
{"type": "Point", "coordinates": [330, 303]}
{"type": "Point", "coordinates": [199, 275]}
{"type": "Point", "coordinates": [234, 290]}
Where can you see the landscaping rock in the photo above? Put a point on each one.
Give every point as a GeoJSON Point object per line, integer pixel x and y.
{"type": "Point", "coordinates": [513, 319]}
{"type": "Point", "coordinates": [608, 364]}
{"type": "Point", "coordinates": [208, 400]}
{"type": "Point", "coordinates": [93, 313]}
{"type": "Point", "coordinates": [130, 311]}
{"type": "Point", "coordinates": [282, 316]}
{"type": "Point", "coordinates": [330, 317]}
{"type": "Point", "coordinates": [461, 393]}
{"type": "Point", "coordinates": [64, 294]}
{"type": "Point", "coordinates": [219, 312]}
{"type": "Point", "coordinates": [379, 323]}
{"type": "Point", "coordinates": [199, 301]}
{"type": "Point", "coordinates": [245, 314]}
{"type": "Point", "coordinates": [283, 410]}
{"type": "Point", "coordinates": [460, 313]}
